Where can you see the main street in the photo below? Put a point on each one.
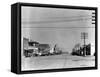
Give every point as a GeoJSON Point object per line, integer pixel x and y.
{"type": "Point", "coordinates": [56, 62]}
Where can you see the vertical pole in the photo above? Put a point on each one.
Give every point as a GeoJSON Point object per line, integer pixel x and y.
{"type": "Point", "coordinates": [84, 35]}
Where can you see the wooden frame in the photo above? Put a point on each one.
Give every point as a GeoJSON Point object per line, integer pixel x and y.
{"type": "Point", "coordinates": [16, 37]}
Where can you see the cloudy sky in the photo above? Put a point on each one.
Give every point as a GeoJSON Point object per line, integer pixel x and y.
{"type": "Point", "coordinates": [57, 26]}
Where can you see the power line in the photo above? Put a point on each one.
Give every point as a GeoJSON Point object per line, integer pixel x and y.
{"type": "Point", "coordinates": [59, 19]}
{"type": "Point", "coordinates": [68, 17]}
{"type": "Point", "coordinates": [55, 21]}
{"type": "Point", "coordinates": [71, 16]}
{"type": "Point", "coordinates": [58, 27]}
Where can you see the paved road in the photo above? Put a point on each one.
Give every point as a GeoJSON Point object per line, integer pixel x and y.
{"type": "Point", "coordinates": [56, 61]}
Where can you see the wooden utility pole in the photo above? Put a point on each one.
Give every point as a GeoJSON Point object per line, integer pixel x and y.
{"type": "Point", "coordinates": [84, 36]}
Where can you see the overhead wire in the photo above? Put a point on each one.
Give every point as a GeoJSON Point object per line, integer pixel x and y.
{"type": "Point", "coordinates": [59, 20]}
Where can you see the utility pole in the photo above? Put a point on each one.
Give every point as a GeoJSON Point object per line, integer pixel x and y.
{"type": "Point", "coordinates": [84, 36]}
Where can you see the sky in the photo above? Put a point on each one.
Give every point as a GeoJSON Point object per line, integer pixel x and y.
{"type": "Point", "coordinates": [57, 26]}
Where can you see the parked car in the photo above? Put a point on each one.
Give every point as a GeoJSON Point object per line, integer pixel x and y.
{"type": "Point", "coordinates": [28, 53]}
{"type": "Point", "coordinates": [44, 49]}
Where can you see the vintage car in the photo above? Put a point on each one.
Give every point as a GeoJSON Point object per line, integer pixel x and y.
{"type": "Point", "coordinates": [28, 53]}
{"type": "Point", "coordinates": [44, 49]}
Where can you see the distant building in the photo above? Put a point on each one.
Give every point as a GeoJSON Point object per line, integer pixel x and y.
{"type": "Point", "coordinates": [44, 47]}
{"type": "Point", "coordinates": [88, 49]}
{"type": "Point", "coordinates": [25, 43]}
{"type": "Point", "coordinates": [32, 48]}
{"type": "Point", "coordinates": [33, 43]}
{"type": "Point", "coordinates": [83, 50]}
{"type": "Point", "coordinates": [92, 49]}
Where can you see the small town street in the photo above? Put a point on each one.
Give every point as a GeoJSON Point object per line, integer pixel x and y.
{"type": "Point", "coordinates": [56, 62]}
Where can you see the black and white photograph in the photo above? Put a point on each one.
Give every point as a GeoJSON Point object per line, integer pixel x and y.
{"type": "Point", "coordinates": [56, 38]}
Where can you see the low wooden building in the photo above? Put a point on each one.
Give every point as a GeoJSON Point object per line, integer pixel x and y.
{"type": "Point", "coordinates": [82, 51]}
